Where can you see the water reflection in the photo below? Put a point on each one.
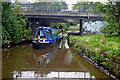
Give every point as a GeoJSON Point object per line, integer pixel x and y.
{"type": "Point", "coordinates": [36, 74]}
{"type": "Point", "coordinates": [46, 58]}
{"type": "Point", "coordinates": [64, 44]}
{"type": "Point", "coordinates": [68, 58]}
{"type": "Point", "coordinates": [23, 61]}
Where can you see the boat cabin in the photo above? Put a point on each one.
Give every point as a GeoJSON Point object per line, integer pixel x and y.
{"type": "Point", "coordinates": [45, 34]}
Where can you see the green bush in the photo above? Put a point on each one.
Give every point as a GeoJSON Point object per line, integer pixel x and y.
{"type": "Point", "coordinates": [14, 24]}
{"type": "Point", "coordinates": [64, 26]}
{"type": "Point", "coordinates": [96, 43]}
{"type": "Point", "coordinates": [78, 49]}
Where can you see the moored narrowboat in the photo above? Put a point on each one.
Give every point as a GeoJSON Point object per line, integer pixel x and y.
{"type": "Point", "coordinates": [46, 37]}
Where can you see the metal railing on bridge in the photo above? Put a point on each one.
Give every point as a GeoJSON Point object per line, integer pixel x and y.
{"type": "Point", "coordinates": [59, 7]}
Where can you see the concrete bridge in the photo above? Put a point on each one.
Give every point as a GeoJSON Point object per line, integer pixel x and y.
{"type": "Point", "coordinates": [63, 16]}
{"type": "Point", "coordinates": [47, 13]}
{"type": "Point", "coordinates": [50, 11]}
{"type": "Point", "coordinates": [36, 14]}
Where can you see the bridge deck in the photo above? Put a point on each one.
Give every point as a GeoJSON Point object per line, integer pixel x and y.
{"type": "Point", "coordinates": [62, 14]}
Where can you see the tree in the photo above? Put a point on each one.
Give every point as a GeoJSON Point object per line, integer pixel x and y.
{"type": "Point", "coordinates": [112, 17]}
{"type": "Point", "coordinates": [83, 6]}
{"type": "Point", "coordinates": [14, 24]}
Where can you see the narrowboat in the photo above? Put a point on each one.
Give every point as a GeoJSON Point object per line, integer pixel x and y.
{"type": "Point", "coordinates": [46, 37]}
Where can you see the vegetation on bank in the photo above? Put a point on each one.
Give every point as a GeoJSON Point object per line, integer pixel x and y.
{"type": "Point", "coordinates": [102, 50]}
{"type": "Point", "coordinates": [65, 26]}
{"type": "Point", "coordinates": [97, 43]}
{"type": "Point", "coordinates": [74, 28]}
{"type": "Point", "coordinates": [14, 24]}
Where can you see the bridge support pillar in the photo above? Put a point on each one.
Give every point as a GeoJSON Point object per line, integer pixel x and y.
{"type": "Point", "coordinates": [80, 26]}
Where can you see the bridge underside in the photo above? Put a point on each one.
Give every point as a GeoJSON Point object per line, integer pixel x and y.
{"type": "Point", "coordinates": [46, 21]}
{"type": "Point", "coordinates": [45, 18]}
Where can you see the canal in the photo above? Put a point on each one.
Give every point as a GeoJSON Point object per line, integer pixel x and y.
{"type": "Point", "coordinates": [23, 61]}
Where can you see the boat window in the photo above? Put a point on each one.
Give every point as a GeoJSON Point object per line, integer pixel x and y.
{"type": "Point", "coordinates": [54, 33]}
{"type": "Point", "coordinates": [48, 32]}
{"type": "Point", "coordinates": [37, 32]}
{"type": "Point", "coordinates": [42, 35]}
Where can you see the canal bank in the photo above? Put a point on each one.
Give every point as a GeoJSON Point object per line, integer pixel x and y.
{"type": "Point", "coordinates": [100, 51]}
{"type": "Point", "coordinates": [9, 44]}
{"type": "Point", "coordinates": [23, 61]}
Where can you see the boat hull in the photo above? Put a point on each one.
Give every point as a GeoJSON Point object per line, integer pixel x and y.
{"type": "Point", "coordinates": [45, 45]}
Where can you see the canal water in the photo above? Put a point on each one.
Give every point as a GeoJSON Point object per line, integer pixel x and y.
{"type": "Point", "coordinates": [23, 61]}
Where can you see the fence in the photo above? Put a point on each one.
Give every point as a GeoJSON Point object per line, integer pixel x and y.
{"type": "Point", "coordinates": [59, 7]}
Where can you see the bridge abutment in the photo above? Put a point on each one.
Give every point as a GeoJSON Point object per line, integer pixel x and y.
{"type": "Point", "coordinates": [80, 26]}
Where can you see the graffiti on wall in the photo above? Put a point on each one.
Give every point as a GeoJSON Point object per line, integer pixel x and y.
{"type": "Point", "coordinates": [92, 27]}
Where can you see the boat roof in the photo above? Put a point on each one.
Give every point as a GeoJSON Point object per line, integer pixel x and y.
{"type": "Point", "coordinates": [53, 28]}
